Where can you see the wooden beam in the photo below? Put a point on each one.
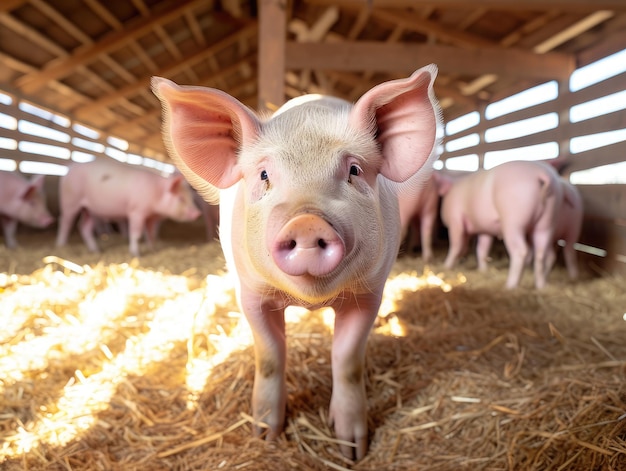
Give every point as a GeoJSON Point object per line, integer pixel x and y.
{"type": "Point", "coordinates": [8, 5]}
{"type": "Point", "coordinates": [503, 5]}
{"type": "Point", "coordinates": [405, 58]}
{"type": "Point", "coordinates": [32, 82]}
{"type": "Point", "coordinates": [414, 22]}
{"type": "Point", "coordinates": [272, 38]}
{"type": "Point", "coordinates": [179, 66]}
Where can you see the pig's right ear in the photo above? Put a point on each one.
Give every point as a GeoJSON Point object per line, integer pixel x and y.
{"type": "Point", "coordinates": [203, 129]}
{"type": "Point", "coordinates": [404, 116]}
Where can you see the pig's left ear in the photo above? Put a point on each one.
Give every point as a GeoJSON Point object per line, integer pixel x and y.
{"type": "Point", "coordinates": [34, 185]}
{"type": "Point", "coordinates": [404, 114]}
{"type": "Point", "coordinates": [175, 182]}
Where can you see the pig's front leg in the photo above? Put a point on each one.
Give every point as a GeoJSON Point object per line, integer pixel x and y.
{"type": "Point", "coordinates": [348, 405]}
{"type": "Point", "coordinates": [483, 247]}
{"type": "Point", "coordinates": [269, 394]}
{"type": "Point", "coordinates": [136, 225]}
{"type": "Point", "coordinates": [9, 227]}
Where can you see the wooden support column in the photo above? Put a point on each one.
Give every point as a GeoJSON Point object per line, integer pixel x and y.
{"type": "Point", "coordinates": [272, 38]}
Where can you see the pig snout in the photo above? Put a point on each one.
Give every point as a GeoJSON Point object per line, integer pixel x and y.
{"type": "Point", "coordinates": [307, 244]}
{"type": "Point", "coordinates": [44, 221]}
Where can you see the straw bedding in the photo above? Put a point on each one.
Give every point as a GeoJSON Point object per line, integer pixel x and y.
{"type": "Point", "coordinates": [116, 364]}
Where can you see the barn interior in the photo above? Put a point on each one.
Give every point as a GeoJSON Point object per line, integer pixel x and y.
{"type": "Point", "coordinates": [117, 362]}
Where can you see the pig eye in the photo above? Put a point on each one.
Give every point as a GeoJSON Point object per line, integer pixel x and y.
{"type": "Point", "coordinates": [355, 170]}
{"type": "Point", "coordinates": [264, 175]}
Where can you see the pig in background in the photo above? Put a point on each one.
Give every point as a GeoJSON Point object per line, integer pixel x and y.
{"type": "Point", "coordinates": [308, 216]}
{"type": "Point", "coordinates": [110, 191]}
{"type": "Point", "coordinates": [568, 227]}
{"type": "Point", "coordinates": [517, 202]}
{"type": "Point", "coordinates": [22, 201]}
{"type": "Point", "coordinates": [419, 210]}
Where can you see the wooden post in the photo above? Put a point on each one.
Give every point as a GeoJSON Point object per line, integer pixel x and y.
{"type": "Point", "coordinates": [272, 38]}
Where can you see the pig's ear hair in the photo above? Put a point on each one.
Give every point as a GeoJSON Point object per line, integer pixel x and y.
{"type": "Point", "coordinates": [203, 129]}
{"type": "Point", "coordinates": [404, 116]}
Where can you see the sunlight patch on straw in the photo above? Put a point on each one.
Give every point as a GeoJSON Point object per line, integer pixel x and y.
{"type": "Point", "coordinates": [81, 400]}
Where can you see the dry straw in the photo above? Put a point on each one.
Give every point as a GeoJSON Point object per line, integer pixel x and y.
{"type": "Point", "coordinates": [115, 366]}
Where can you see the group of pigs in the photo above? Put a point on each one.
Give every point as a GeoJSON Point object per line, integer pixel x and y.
{"type": "Point", "coordinates": [524, 203]}
{"type": "Point", "coordinates": [313, 202]}
{"type": "Point", "coordinates": [103, 191]}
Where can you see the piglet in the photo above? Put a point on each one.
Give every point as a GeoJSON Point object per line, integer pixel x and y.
{"type": "Point", "coordinates": [112, 191]}
{"type": "Point", "coordinates": [308, 216]}
{"type": "Point", "coordinates": [22, 201]}
{"type": "Point", "coordinates": [515, 201]}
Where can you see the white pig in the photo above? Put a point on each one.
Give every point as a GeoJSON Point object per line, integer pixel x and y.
{"type": "Point", "coordinates": [308, 215]}
{"type": "Point", "coordinates": [109, 190]}
{"type": "Point", "coordinates": [22, 201]}
{"type": "Point", "coordinates": [515, 201]}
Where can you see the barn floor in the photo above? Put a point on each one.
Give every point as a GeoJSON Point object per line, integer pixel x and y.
{"type": "Point", "coordinates": [113, 364]}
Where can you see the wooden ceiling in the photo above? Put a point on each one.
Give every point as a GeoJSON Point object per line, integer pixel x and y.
{"type": "Point", "coordinates": [92, 60]}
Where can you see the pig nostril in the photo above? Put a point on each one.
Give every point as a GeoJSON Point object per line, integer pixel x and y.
{"type": "Point", "coordinates": [322, 243]}
{"type": "Point", "coordinates": [292, 244]}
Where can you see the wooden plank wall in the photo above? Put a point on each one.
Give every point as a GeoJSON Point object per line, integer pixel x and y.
{"type": "Point", "coordinates": [605, 205]}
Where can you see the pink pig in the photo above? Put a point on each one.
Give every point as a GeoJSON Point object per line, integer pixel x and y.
{"type": "Point", "coordinates": [515, 201]}
{"type": "Point", "coordinates": [22, 201]}
{"type": "Point", "coordinates": [308, 216]}
{"type": "Point", "coordinates": [419, 207]}
{"type": "Point", "coordinates": [568, 226]}
{"type": "Point", "coordinates": [112, 191]}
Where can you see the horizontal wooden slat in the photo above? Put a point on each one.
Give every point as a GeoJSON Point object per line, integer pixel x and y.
{"type": "Point", "coordinates": [610, 154]}
{"type": "Point", "coordinates": [598, 90]}
{"type": "Point", "coordinates": [405, 58]}
{"type": "Point", "coordinates": [519, 115]}
{"type": "Point", "coordinates": [605, 123]}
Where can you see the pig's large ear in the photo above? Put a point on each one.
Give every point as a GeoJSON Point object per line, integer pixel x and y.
{"type": "Point", "coordinates": [203, 129]}
{"type": "Point", "coordinates": [405, 115]}
{"type": "Point", "coordinates": [34, 186]}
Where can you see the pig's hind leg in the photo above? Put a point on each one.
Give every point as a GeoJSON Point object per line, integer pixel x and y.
{"type": "Point", "coordinates": [86, 227]}
{"type": "Point", "coordinates": [517, 247]}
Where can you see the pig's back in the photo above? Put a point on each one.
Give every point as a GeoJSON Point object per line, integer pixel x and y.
{"type": "Point", "coordinates": [9, 185]}
{"type": "Point", "coordinates": [105, 188]}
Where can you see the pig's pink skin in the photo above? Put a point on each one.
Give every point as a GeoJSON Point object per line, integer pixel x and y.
{"type": "Point", "coordinates": [109, 190]}
{"type": "Point", "coordinates": [22, 201]}
{"type": "Point", "coordinates": [418, 213]}
{"type": "Point", "coordinates": [317, 170]}
{"type": "Point", "coordinates": [568, 226]}
{"type": "Point", "coordinates": [515, 201]}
